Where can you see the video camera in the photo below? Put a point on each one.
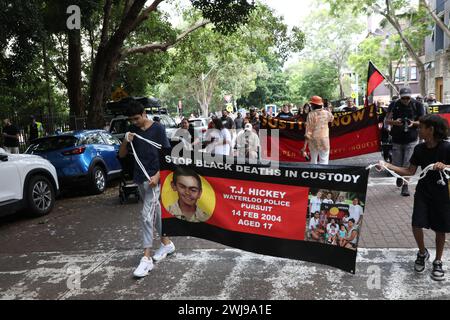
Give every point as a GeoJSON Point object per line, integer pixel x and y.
{"type": "Point", "coordinates": [406, 123]}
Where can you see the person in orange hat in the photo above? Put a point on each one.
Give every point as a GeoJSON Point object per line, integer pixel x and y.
{"type": "Point", "coordinates": [317, 132]}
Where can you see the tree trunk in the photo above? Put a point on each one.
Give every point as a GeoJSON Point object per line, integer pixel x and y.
{"type": "Point", "coordinates": [420, 66]}
{"type": "Point", "coordinates": [341, 88]}
{"type": "Point", "coordinates": [47, 81]}
{"type": "Point", "coordinates": [102, 79]}
{"type": "Point", "coordinates": [423, 86]}
{"type": "Point", "coordinates": [74, 77]}
{"type": "Point", "coordinates": [391, 90]}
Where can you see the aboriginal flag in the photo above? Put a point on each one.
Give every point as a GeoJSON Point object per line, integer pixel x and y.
{"type": "Point", "coordinates": [374, 79]}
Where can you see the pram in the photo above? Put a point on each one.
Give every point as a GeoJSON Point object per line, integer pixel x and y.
{"type": "Point", "coordinates": [127, 187]}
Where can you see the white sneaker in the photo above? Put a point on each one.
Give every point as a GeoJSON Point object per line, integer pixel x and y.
{"type": "Point", "coordinates": [163, 251]}
{"type": "Point", "coordinates": [144, 268]}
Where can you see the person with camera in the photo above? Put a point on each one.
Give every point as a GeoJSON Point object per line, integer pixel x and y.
{"type": "Point", "coordinates": [403, 115]}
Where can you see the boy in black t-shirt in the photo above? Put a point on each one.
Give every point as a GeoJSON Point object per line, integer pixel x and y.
{"type": "Point", "coordinates": [149, 190]}
{"type": "Point", "coordinates": [432, 198]}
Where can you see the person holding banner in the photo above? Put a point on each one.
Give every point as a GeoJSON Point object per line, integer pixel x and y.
{"type": "Point", "coordinates": [188, 185]}
{"type": "Point", "coordinates": [317, 132]}
{"type": "Point", "coordinates": [432, 199]}
{"type": "Point", "coordinates": [149, 156]}
{"type": "Point", "coordinates": [403, 115]}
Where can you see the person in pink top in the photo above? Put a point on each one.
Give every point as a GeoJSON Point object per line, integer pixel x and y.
{"type": "Point", "coordinates": [317, 132]}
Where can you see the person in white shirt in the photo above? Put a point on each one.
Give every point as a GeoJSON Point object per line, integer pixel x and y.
{"type": "Point", "coordinates": [222, 139]}
{"type": "Point", "coordinates": [248, 143]}
{"type": "Point", "coordinates": [355, 211]}
{"type": "Point", "coordinates": [315, 204]}
{"type": "Point", "coordinates": [332, 222]}
{"type": "Point", "coordinates": [328, 199]}
{"type": "Point", "coordinates": [314, 227]}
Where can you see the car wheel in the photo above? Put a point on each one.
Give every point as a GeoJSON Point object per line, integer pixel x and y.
{"type": "Point", "coordinates": [98, 180]}
{"type": "Point", "coordinates": [40, 196]}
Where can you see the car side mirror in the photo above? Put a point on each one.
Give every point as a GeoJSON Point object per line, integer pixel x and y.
{"type": "Point", "coordinates": [3, 157]}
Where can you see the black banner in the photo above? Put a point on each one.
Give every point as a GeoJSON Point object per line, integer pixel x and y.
{"type": "Point", "coordinates": [262, 209]}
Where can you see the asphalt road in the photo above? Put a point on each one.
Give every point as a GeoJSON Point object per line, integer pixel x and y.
{"type": "Point", "coordinates": [88, 247]}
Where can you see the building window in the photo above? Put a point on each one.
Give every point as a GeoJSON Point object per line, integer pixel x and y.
{"type": "Point", "coordinates": [440, 5]}
{"type": "Point", "coordinates": [400, 74]}
{"type": "Point", "coordinates": [413, 73]}
{"type": "Point", "coordinates": [439, 39]}
{"type": "Point", "coordinates": [397, 75]}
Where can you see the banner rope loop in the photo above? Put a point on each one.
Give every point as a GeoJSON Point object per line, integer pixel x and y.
{"type": "Point", "coordinates": [443, 173]}
{"type": "Point", "coordinates": [138, 161]}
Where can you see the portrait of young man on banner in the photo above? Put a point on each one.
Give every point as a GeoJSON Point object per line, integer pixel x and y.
{"type": "Point", "coordinates": [188, 186]}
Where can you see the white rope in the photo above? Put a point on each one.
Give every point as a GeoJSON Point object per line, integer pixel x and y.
{"type": "Point", "coordinates": [149, 215]}
{"type": "Point", "coordinates": [443, 173]}
{"type": "Point", "coordinates": [138, 161]}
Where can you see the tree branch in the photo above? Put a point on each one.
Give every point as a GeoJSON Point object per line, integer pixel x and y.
{"type": "Point", "coordinates": [151, 47]}
{"type": "Point", "coordinates": [106, 17]}
{"type": "Point", "coordinates": [144, 15]}
{"type": "Point", "coordinates": [59, 75]}
{"type": "Point", "coordinates": [436, 18]}
{"type": "Point", "coordinates": [126, 7]}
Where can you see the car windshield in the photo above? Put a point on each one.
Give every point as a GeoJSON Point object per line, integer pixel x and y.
{"type": "Point", "coordinates": [168, 122]}
{"type": "Point", "coordinates": [52, 143]}
{"type": "Point", "coordinates": [120, 126]}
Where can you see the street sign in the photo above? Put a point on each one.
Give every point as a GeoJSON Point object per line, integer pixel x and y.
{"type": "Point", "coordinates": [354, 96]}
{"type": "Point", "coordinates": [119, 94]}
{"type": "Point", "coordinates": [230, 107]}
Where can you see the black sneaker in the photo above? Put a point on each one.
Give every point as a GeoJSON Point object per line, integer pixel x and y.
{"type": "Point", "coordinates": [405, 191]}
{"type": "Point", "coordinates": [438, 273]}
{"type": "Point", "coordinates": [399, 182]}
{"type": "Point", "coordinates": [419, 265]}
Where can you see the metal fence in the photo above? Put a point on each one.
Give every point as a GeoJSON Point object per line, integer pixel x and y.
{"type": "Point", "coordinates": [51, 125]}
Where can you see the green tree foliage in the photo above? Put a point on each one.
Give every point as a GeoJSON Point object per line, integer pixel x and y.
{"type": "Point", "coordinates": [310, 78]}
{"type": "Point", "coordinates": [411, 23]}
{"type": "Point", "coordinates": [210, 65]}
{"type": "Point", "coordinates": [332, 38]}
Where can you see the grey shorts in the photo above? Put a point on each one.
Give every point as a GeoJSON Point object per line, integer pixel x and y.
{"type": "Point", "coordinates": [402, 153]}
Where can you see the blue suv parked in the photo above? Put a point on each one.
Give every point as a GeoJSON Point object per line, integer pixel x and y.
{"type": "Point", "coordinates": [87, 157]}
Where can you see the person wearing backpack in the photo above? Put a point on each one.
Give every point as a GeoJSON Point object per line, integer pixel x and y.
{"type": "Point", "coordinates": [403, 115]}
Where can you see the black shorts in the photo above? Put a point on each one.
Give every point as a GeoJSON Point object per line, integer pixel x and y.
{"type": "Point", "coordinates": [429, 213]}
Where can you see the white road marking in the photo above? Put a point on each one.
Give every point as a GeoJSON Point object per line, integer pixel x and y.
{"type": "Point", "coordinates": [109, 275]}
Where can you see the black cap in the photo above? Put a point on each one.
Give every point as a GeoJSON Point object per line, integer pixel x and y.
{"type": "Point", "coordinates": [405, 92]}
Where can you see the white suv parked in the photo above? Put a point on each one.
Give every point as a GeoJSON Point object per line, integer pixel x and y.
{"type": "Point", "coordinates": [27, 182]}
